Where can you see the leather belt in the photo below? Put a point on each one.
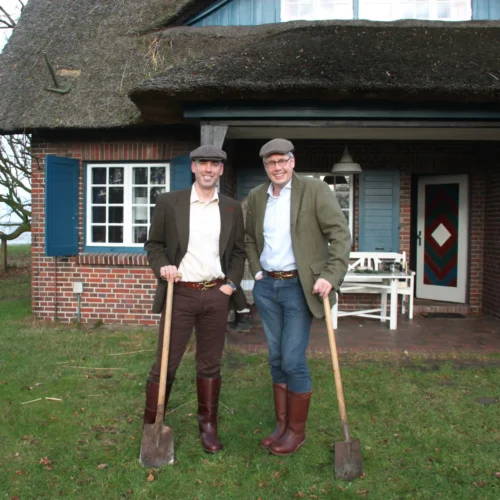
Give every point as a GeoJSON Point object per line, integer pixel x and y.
{"type": "Point", "coordinates": [283, 275]}
{"type": "Point", "coordinates": [201, 285]}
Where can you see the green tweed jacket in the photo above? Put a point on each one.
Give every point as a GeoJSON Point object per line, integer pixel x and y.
{"type": "Point", "coordinates": [320, 235]}
{"type": "Point", "coordinates": [169, 237]}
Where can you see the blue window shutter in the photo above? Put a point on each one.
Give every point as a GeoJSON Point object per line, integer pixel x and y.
{"type": "Point", "coordinates": [379, 211]}
{"type": "Point", "coordinates": [61, 206]}
{"type": "Point", "coordinates": [180, 173]}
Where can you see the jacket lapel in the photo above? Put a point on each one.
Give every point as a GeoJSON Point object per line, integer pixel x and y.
{"type": "Point", "coordinates": [226, 223]}
{"type": "Point", "coordinates": [295, 201]}
{"type": "Point", "coordinates": [260, 212]}
{"type": "Point", "coordinates": [182, 210]}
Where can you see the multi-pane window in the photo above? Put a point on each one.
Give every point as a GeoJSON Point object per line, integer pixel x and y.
{"type": "Point", "coordinates": [120, 202]}
{"type": "Point", "coordinates": [311, 10]}
{"type": "Point", "coordinates": [376, 10]}
{"type": "Point", "coordinates": [342, 187]}
{"type": "Point", "coordinates": [390, 10]}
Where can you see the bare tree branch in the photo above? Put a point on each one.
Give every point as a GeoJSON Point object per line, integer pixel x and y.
{"type": "Point", "coordinates": [9, 23]}
{"type": "Point", "coordinates": [15, 186]}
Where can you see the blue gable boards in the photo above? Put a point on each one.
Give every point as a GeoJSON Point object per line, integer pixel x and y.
{"type": "Point", "coordinates": [256, 12]}
{"type": "Point", "coordinates": [61, 206]}
{"type": "Point", "coordinates": [486, 9]}
{"type": "Point", "coordinates": [238, 13]}
{"type": "Point", "coordinates": [180, 172]}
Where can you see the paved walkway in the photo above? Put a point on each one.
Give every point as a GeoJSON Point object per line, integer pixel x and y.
{"type": "Point", "coordinates": [475, 334]}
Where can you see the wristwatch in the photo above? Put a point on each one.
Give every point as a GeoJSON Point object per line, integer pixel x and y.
{"type": "Point", "coordinates": [231, 284]}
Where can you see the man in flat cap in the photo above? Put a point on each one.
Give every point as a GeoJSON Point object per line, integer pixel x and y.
{"type": "Point", "coordinates": [198, 234]}
{"type": "Point", "coordinates": [298, 245]}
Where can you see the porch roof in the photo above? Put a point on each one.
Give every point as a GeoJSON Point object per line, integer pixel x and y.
{"type": "Point", "coordinates": [106, 51]}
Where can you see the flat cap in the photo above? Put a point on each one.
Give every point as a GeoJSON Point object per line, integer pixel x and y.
{"type": "Point", "coordinates": [276, 146]}
{"type": "Point", "coordinates": [208, 152]}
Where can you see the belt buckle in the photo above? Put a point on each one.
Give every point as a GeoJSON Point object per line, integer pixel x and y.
{"type": "Point", "coordinates": [283, 275]}
{"type": "Point", "coordinates": [206, 285]}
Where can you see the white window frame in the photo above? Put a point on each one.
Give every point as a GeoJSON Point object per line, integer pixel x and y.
{"type": "Point", "coordinates": [316, 5]}
{"type": "Point", "coordinates": [356, 9]}
{"type": "Point", "coordinates": [350, 210]}
{"type": "Point", "coordinates": [128, 186]}
{"type": "Point", "coordinates": [433, 11]}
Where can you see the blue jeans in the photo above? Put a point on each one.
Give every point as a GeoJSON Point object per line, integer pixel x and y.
{"type": "Point", "coordinates": [286, 319]}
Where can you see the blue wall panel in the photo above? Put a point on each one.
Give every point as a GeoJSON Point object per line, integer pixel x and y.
{"type": "Point", "coordinates": [379, 211]}
{"type": "Point", "coordinates": [239, 13]}
{"type": "Point", "coordinates": [486, 9]}
{"type": "Point", "coordinates": [247, 179]}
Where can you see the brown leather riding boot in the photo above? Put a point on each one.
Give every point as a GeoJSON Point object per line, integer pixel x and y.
{"type": "Point", "coordinates": [152, 390]}
{"type": "Point", "coordinates": [280, 409]}
{"type": "Point", "coordinates": [208, 401]}
{"type": "Point", "coordinates": [295, 435]}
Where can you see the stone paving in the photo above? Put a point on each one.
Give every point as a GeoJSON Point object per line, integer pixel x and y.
{"type": "Point", "coordinates": [480, 334]}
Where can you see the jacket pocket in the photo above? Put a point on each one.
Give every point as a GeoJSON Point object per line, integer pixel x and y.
{"type": "Point", "coordinates": [318, 267]}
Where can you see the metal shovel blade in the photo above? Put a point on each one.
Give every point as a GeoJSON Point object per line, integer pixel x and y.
{"type": "Point", "coordinates": [348, 462]}
{"type": "Point", "coordinates": [157, 447]}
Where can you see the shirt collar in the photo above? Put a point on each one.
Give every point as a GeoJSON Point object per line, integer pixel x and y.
{"type": "Point", "coordinates": [270, 188]}
{"type": "Point", "coordinates": [195, 197]}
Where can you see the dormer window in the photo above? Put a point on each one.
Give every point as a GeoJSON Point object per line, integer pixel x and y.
{"type": "Point", "coordinates": [376, 10]}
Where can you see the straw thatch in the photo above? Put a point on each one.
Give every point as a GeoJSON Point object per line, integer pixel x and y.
{"type": "Point", "coordinates": [130, 63]}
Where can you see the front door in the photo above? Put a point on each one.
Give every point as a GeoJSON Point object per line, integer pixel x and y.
{"type": "Point", "coordinates": [442, 238]}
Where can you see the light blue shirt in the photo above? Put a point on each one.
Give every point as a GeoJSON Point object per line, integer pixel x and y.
{"type": "Point", "coordinates": [278, 251]}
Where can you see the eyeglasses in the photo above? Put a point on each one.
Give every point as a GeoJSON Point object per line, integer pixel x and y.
{"type": "Point", "coordinates": [276, 163]}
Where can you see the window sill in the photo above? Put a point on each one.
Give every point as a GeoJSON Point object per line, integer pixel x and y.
{"type": "Point", "coordinates": [112, 259]}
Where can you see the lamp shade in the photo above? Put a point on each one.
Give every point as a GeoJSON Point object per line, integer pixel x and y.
{"type": "Point", "coordinates": [346, 165]}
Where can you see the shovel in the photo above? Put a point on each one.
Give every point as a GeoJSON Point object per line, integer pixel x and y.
{"type": "Point", "coordinates": [157, 447]}
{"type": "Point", "coordinates": [348, 462]}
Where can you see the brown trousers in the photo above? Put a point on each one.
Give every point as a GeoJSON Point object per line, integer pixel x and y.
{"type": "Point", "coordinates": [207, 312]}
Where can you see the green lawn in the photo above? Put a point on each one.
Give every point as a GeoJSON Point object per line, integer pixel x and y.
{"type": "Point", "coordinates": [423, 435]}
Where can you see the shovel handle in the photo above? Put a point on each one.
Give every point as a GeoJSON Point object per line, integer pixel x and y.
{"type": "Point", "coordinates": [160, 412]}
{"type": "Point", "coordinates": [336, 368]}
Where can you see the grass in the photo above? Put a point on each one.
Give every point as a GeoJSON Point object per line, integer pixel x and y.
{"type": "Point", "coordinates": [16, 283]}
{"type": "Point", "coordinates": [423, 435]}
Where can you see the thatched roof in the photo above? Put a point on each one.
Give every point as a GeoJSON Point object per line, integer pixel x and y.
{"type": "Point", "coordinates": [100, 48]}
{"type": "Point", "coordinates": [110, 52]}
{"type": "Point", "coordinates": [405, 61]}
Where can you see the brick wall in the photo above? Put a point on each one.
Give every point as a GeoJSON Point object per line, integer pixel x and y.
{"type": "Point", "coordinates": [119, 288]}
{"type": "Point", "coordinates": [491, 264]}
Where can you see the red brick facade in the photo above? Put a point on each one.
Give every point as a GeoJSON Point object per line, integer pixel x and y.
{"type": "Point", "coordinates": [118, 288]}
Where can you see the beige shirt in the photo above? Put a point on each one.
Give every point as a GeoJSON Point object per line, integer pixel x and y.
{"type": "Point", "coordinates": [202, 259]}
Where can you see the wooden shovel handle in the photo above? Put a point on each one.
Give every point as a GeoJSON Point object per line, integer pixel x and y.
{"type": "Point", "coordinates": [160, 412]}
{"type": "Point", "coordinates": [336, 368]}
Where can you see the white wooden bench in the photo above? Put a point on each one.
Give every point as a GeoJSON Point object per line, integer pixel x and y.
{"type": "Point", "coordinates": [360, 280]}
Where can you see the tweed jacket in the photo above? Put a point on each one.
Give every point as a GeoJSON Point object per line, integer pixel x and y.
{"type": "Point", "coordinates": [169, 237]}
{"type": "Point", "coordinates": [320, 235]}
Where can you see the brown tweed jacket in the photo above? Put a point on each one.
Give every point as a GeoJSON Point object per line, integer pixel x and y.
{"type": "Point", "coordinates": [169, 236]}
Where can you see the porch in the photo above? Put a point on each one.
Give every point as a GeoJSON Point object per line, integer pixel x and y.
{"type": "Point", "coordinates": [479, 334]}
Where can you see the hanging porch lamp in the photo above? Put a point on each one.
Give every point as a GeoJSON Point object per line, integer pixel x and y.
{"type": "Point", "coordinates": [346, 165]}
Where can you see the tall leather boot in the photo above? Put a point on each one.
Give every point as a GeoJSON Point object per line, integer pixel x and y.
{"type": "Point", "coordinates": [295, 435]}
{"type": "Point", "coordinates": [280, 409]}
{"type": "Point", "coordinates": [152, 390]}
{"type": "Point", "coordinates": [208, 402]}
